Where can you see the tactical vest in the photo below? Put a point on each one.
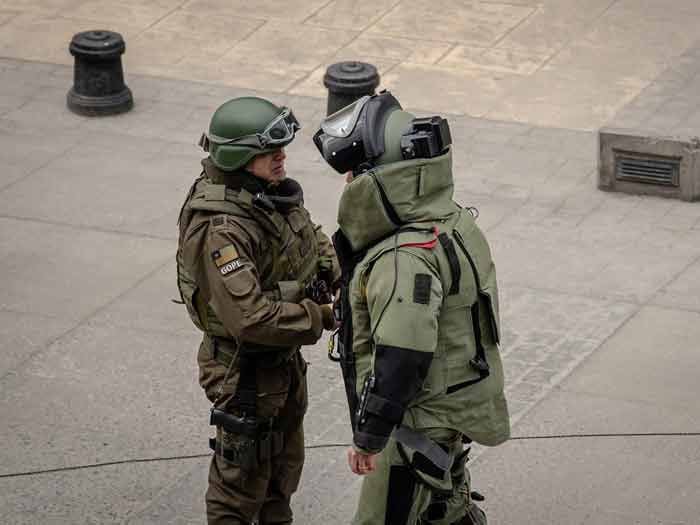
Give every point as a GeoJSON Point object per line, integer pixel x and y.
{"type": "Point", "coordinates": [292, 239]}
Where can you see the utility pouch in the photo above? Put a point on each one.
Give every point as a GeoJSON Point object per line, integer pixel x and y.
{"type": "Point", "coordinates": [239, 450]}
{"type": "Point", "coordinates": [244, 441]}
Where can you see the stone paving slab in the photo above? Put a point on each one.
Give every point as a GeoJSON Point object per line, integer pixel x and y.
{"type": "Point", "coordinates": [638, 381]}
{"type": "Point", "coordinates": [70, 273]}
{"type": "Point", "coordinates": [108, 495]}
{"type": "Point", "coordinates": [670, 106]}
{"type": "Point", "coordinates": [24, 334]}
{"type": "Point", "coordinates": [562, 63]}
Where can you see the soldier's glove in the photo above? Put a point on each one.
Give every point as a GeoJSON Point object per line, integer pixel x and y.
{"type": "Point", "coordinates": [319, 291]}
{"type": "Point", "coordinates": [327, 316]}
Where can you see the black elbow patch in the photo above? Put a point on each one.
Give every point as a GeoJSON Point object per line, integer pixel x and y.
{"type": "Point", "coordinates": [421, 288]}
{"type": "Point", "coordinates": [400, 372]}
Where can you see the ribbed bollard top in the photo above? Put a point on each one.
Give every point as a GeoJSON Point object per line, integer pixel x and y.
{"type": "Point", "coordinates": [348, 81]}
{"type": "Point", "coordinates": [98, 78]}
{"type": "Point", "coordinates": [98, 45]}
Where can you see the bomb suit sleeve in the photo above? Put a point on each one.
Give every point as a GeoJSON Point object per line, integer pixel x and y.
{"type": "Point", "coordinates": [237, 298]}
{"type": "Point", "coordinates": [403, 308]}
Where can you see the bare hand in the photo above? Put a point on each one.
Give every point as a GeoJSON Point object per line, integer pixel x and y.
{"type": "Point", "coordinates": [361, 463]}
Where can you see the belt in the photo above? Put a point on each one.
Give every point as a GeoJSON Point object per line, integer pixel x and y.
{"type": "Point", "coordinates": [224, 351]}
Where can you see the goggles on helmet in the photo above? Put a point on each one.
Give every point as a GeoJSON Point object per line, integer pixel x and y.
{"type": "Point", "coordinates": [278, 133]}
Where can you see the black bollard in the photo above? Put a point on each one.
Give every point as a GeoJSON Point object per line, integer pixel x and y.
{"type": "Point", "coordinates": [98, 79]}
{"type": "Point", "coordinates": [348, 81]}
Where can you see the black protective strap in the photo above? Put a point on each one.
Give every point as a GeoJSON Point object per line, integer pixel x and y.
{"type": "Point", "coordinates": [247, 391]}
{"type": "Point", "coordinates": [479, 362]}
{"type": "Point", "coordinates": [453, 261]}
{"type": "Point", "coordinates": [399, 497]}
{"type": "Point", "coordinates": [424, 465]}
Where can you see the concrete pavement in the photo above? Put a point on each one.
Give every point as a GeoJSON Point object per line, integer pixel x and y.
{"type": "Point", "coordinates": [600, 291]}
{"type": "Point", "coordinates": [563, 63]}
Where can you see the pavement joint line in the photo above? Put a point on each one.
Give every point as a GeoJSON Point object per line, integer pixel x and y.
{"type": "Point", "coordinates": [341, 48]}
{"type": "Point", "coordinates": [585, 27]}
{"type": "Point", "coordinates": [87, 228]}
{"type": "Point", "coordinates": [442, 57]}
{"type": "Point", "coordinates": [177, 480]}
{"type": "Point", "coordinates": [533, 10]}
{"type": "Point", "coordinates": [166, 15]}
{"type": "Point", "coordinates": [24, 177]}
{"type": "Point", "coordinates": [670, 281]}
{"type": "Point", "coordinates": [316, 11]}
{"type": "Point", "coordinates": [81, 322]}
{"type": "Point", "coordinates": [261, 23]}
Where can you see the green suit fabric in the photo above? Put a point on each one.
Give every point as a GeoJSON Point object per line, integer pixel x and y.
{"type": "Point", "coordinates": [417, 321]}
{"type": "Point", "coordinates": [242, 267]}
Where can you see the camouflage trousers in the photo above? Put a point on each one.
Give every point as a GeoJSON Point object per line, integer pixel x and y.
{"type": "Point", "coordinates": [399, 493]}
{"type": "Point", "coordinates": [238, 494]}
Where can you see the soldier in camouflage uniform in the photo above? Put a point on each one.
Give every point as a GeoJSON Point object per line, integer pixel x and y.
{"type": "Point", "coordinates": [419, 332]}
{"type": "Point", "coordinates": [255, 274]}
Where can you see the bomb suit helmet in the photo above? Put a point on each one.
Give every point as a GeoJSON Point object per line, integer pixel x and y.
{"type": "Point", "coordinates": [374, 130]}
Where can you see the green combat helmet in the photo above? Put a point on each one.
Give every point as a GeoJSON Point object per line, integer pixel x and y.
{"type": "Point", "coordinates": [245, 127]}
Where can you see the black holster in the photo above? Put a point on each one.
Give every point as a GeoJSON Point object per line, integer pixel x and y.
{"type": "Point", "coordinates": [259, 444]}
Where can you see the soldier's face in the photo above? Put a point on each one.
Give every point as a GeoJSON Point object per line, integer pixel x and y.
{"type": "Point", "coordinates": [269, 167]}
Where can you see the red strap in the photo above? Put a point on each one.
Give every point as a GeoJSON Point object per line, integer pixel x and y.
{"type": "Point", "coordinates": [429, 245]}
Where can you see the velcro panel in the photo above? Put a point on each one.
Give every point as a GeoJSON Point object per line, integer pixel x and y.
{"type": "Point", "coordinates": [421, 288]}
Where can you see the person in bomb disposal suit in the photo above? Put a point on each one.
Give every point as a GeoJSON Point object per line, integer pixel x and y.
{"type": "Point", "coordinates": [418, 310]}
{"type": "Point", "coordinates": [256, 276]}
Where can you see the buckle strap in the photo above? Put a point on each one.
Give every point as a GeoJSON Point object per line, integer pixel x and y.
{"type": "Point", "coordinates": [419, 442]}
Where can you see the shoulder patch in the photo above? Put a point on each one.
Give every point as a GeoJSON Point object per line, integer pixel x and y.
{"type": "Point", "coordinates": [229, 267]}
{"type": "Point", "coordinates": [225, 255]}
{"type": "Point", "coordinates": [421, 288]}
{"type": "Point", "coordinates": [218, 221]}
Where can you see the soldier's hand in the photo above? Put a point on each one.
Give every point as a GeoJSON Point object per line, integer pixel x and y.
{"type": "Point", "coordinates": [327, 316]}
{"type": "Point", "coordinates": [361, 463]}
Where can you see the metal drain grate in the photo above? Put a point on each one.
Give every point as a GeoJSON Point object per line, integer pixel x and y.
{"type": "Point", "coordinates": [648, 169]}
{"type": "Point", "coordinates": [641, 163]}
